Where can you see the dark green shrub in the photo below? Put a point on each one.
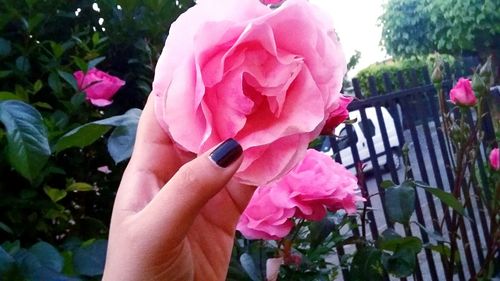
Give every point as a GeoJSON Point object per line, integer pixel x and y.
{"type": "Point", "coordinates": [405, 66]}
{"type": "Point", "coordinates": [50, 188]}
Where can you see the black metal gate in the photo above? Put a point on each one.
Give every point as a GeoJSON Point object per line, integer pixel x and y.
{"type": "Point", "coordinates": [415, 111]}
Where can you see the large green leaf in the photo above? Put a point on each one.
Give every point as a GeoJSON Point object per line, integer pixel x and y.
{"type": "Point", "coordinates": [27, 142]}
{"type": "Point", "coordinates": [90, 257]}
{"type": "Point", "coordinates": [88, 133]}
{"type": "Point", "coordinates": [7, 262]}
{"type": "Point", "coordinates": [448, 199]}
{"type": "Point", "coordinates": [403, 260]}
{"type": "Point", "coordinates": [399, 202]}
{"type": "Point", "coordinates": [122, 139]}
{"type": "Point", "coordinates": [48, 256]}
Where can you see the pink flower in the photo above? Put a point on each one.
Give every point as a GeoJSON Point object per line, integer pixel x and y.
{"type": "Point", "coordinates": [99, 86]}
{"type": "Point", "coordinates": [495, 159]}
{"type": "Point", "coordinates": [269, 78]}
{"type": "Point", "coordinates": [264, 220]}
{"type": "Point", "coordinates": [462, 93]}
{"type": "Point", "coordinates": [337, 116]}
{"type": "Point", "coordinates": [104, 169]}
{"type": "Point", "coordinates": [271, 2]}
{"type": "Point", "coordinates": [318, 183]}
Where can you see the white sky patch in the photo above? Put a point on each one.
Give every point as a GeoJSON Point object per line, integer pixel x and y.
{"type": "Point", "coordinates": [356, 24]}
{"type": "Point", "coordinates": [118, 7]}
{"type": "Point", "coordinates": [77, 12]}
{"type": "Point", "coordinates": [101, 21]}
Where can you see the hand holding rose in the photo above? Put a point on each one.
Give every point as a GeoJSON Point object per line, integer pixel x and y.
{"type": "Point", "coordinates": [174, 219]}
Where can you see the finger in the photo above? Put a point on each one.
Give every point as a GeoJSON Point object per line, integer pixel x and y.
{"type": "Point", "coordinates": [154, 160]}
{"type": "Point", "coordinates": [179, 202]}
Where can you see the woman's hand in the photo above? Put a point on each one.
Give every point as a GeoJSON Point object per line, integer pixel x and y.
{"type": "Point", "coordinates": [175, 216]}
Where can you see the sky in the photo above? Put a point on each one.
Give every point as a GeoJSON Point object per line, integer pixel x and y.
{"type": "Point", "coordinates": [356, 24]}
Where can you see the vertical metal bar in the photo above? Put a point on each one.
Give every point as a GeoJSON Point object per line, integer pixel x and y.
{"type": "Point", "coordinates": [470, 210]}
{"type": "Point", "coordinates": [356, 160]}
{"type": "Point", "coordinates": [410, 123]}
{"type": "Point", "coordinates": [395, 178]}
{"type": "Point", "coordinates": [445, 149]}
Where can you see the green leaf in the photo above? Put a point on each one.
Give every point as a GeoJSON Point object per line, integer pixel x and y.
{"type": "Point", "coordinates": [6, 228]}
{"type": "Point", "coordinates": [387, 184]}
{"type": "Point", "coordinates": [366, 265]}
{"type": "Point", "coordinates": [122, 139]}
{"type": "Point", "coordinates": [5, 47]}
{"type": "Point", "coordinates": [9, 96]}
{"type": "Point", "coordinates": [399, 202]}
{"type": "Point", "coordinates": [23, 64]}
{"type": "Point", "coordinates": [68, 78]}
{"type": "Point", "coordinates": [48, 256]}
{"type": "Point", "coordinates": [78, 99]}
{"type": "Point", "coordinates": [432, 233]}
{"type": "Point", "coordinates": [80, 186]}
{"type": "Point", "coordinates": [87, 134]}
{"type": "Point", "coordinates": [82, 65]}
{"type": "Point", "coordinates": [320, 230]}
{"type": "Point", "coordinates": [400, 264]}
{"type": "Point", "coordinates": [448, 199]}
{"type": "Point", "coordinates": [93, 63]}
{"type": "Point", "coordinates": [81, 137]}
{"type": "Point", "coordinates": [37, 86]}
{"type": "Point", "coordinates": [7, 262]}
{"type": "Point", "coordinates": [54, 193]}
{"type": "Point", "coordinates": [248, 265]}
{"type": "Point", "coordinates": [90, 257]}
{"type": "Point", "coordinates": [55, 83]}
{"type": "Point", "coordinates": [5, 73]}
{"type": "Point", "coordinates": [444, 250]}
{"type": "Point", "coordinates": [27, 142]}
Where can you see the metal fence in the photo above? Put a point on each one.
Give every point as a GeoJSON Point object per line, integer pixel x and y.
{"type": "Point", "coordinates": [415, 111]}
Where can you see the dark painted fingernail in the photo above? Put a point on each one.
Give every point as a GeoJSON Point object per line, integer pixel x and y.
{"type": "Point", "coordinates": [226, 153]}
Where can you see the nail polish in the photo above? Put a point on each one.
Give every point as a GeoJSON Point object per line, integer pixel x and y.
{"type": "Point", "coordinates": [226, 153]}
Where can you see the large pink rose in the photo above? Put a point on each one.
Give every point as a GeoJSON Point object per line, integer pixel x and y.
{"type": "Point", "coordinates": [238, 69]}
{"type": "Point", "coordinates": [318, 183]}
{"type": "Point", "coordinates": [462, 93]}
{"type": "Point", "coordinates": [98, 86]}
{"type": "Point", "coordinates": [337, 116]}
{"type": "Point", "coordinates": [495, 159]}
{"type": "Point", "coordinates": [264, 220]}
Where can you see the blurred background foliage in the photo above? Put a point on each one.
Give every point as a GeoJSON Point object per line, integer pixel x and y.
{"type": "Point", "coordinates": [55, 205]}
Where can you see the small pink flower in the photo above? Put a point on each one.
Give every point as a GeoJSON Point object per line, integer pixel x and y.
{"type": "Point", "coordinates": [495, 159]}
{"type": "Point", "coordinates": [315, 185]}
{"type": "Point", "coordinates": [104, 169]}
{"type": "Point", "coordinates": [264, 220]}
{"type": "Point", "coordinates": [99, 86]}
{"type": "Point", "coordinates": [462, 93]}
{"type": "Point", "coordinates": [337, 116]}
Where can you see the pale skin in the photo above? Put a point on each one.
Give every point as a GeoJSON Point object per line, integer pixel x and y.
{"type": "Point", "coordinates": [174, 216]}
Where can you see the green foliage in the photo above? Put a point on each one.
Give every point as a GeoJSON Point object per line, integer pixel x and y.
{"type": "Point", "coordinates": [411, 28]}
{"type": "Point", "coordinates": [399, 202]}
{"type": "Point", "coordinates": [52, 140]}
{"type": "Point", "coordinates": [405, 67]}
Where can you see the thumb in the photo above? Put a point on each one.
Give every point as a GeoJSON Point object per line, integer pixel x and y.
{"type": "Point", "coordinates": [178, 203]}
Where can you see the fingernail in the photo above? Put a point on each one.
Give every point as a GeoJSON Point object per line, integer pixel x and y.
{"type": "Point", "coordinates": [226, 153]}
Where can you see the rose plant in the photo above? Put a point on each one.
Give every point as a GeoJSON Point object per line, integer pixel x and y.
{"type": "Point", "coordinates": [239, 69]}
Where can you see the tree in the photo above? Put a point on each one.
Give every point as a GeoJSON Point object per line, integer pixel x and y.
{"type": "Point", "coordinates": [416, 27]}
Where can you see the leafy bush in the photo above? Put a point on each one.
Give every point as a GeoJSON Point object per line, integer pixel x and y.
{"type": "Point", "coordinates": [405, 66]}
{"type": "Point", "coordinates": [52, 141]}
